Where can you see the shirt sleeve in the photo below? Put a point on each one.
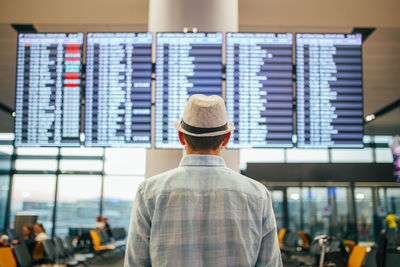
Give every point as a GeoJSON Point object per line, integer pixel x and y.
{"type": "Point", "coordinates": [137, 247]}
{"type": "Point", "coordinates": [270, 253]}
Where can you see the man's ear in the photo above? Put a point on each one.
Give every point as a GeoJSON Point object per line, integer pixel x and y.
{"type": "Point", "coordinates": [226, 140]}
{"type": "Point", "coordinates": [181, 139]}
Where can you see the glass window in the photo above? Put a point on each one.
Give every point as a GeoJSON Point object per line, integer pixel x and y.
{"type": "Point", "coordinates": [5, 166]}
{"type": "Point", "coordinates": [125, 161]}
{"type": "Point", "coordinates": [383, 155]}
{"type": "Point", "coordinates": [393, 198]}
{"type": "Point", "coordinates": [364, 210]}
{"type": "Point", "coordinates": [119, 193]}
{"type": "Point", "coordinates": [382, 197]}
{"type": "Point", "coordinates": [6, 150]}
{"type": "Point", "coordinates": [36, 164]}
{"type": "Point", "coordinates": [7, 136]}
{"type": "Point", "coordinates": [389, 197]}
{"type": "Point", "coordinates": [307, 155]}
{"type": "Point", "coordinates": [315, 200]}
{"type": "Point", "coordinates": [343, 228]}
{"type": "Point", "coordinates": [80, 165]}
{"type": "Point", "coordinates": [5, 162]}
{"type": "Point", "coordinates": [260, 155]}
{"type": "Point", "coordinates": [81, 151]}
{"type": "Point", "coordinates": [48, 151]}
{"type": "Point", "coordinates": [4, 186]}
{"type": "Point", "coordinates": [277, 202]}
{"type": "Point", "coordinates": [78, 202]}
{"type": "Point", "coordinates": [293, 194]}
{"type": "Point", "coordinates": [33, 195]}
{"type": "Point", "coordinates": [382, 139]}
{"type": "Point", "coordinates": [352, 155]}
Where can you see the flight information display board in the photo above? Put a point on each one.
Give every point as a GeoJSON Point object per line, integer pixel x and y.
{"type": "Point", "coordinates": [329, 90]}
{"type": "Point", "coordinates": [118, 89]}
{"type": "Point", "coordinates": [186, 64]}
{"type": "Point", "coordinates": [48, 89]}
{"type": "Point", "coordinates": [259, 93]}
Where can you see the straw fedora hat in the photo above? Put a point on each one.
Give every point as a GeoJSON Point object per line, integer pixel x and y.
{"type": "Point", "coordinates": [204, 116]}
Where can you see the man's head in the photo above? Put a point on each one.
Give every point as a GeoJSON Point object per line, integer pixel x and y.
{"type": "Point", "coordinates": [204, 128]}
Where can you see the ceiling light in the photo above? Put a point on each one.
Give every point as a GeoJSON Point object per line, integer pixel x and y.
{"type": "Point", "coordinates": [370, 117]}
{"type": "Point", "coordinates": [360, 196]}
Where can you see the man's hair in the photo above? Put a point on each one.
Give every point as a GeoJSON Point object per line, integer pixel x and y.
{"type": "Point", "coordinates": [204, 143]}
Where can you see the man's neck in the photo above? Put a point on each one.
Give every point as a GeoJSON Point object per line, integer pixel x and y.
{"type": "Point", "coordinates": [190, 151]}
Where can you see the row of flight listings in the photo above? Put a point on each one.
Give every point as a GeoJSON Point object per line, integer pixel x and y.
{"type": "Point", "coordinates": [118, 81]}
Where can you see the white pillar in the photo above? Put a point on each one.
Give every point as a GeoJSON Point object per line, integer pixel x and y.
{"type": "Point", "coordinates": [205, 15]}
{"type": "Point", "coordinates": [173, 16]}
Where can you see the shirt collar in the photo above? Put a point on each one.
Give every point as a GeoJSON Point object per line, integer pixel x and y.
{"type": "Point", "coordinates": [202, 160]}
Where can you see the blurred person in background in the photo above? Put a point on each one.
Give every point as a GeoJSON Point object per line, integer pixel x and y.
{"type": "Point", "coordinates": [107, 227]}
{"type": "Point", "coordinates": [100, 225]}
{"type": "Point", "coordinates": [40, 232]}
{"type": "Point", "coordinates": [29, 237]}
{"type": "Point", "coordinates": [391, 222]}
{"type": "Point", "coordinates": [3, 240]}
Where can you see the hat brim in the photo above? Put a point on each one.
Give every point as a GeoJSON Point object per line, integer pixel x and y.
{"type": "Point", "coordinates": [230, 128]}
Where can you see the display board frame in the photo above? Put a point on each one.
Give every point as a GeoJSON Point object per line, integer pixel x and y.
{"type": "Point", "coordinates": [81, 85]}
{"type": "Point", "coordinates": [292, 70]}
{"type": "Point", "coordinates": [126, 145]}
{"type": "Point", "coordinates": [156, 39]}
{"type": "Point", "coordinates": [362, 91]}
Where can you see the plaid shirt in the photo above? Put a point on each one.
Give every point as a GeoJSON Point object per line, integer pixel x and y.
{"type": "Point", "coordinates": [202, 214]}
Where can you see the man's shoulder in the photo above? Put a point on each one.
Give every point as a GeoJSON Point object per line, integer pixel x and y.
{"type": "Point", "coordinates": [249, 185]}
{"type": "Point", "coordinates": [228, 180]}
{"type": "Point", "coordinates": [155, 182]}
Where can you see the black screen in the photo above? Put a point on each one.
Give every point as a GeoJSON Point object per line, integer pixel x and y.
{"type": "Point", "coordinates": [118, 89]}
{"type": "Point", "coordinates": [186, 64]}
{"type": "Point", "coordinates": [259, 93]}
{"type": "Point", "coordinates": [48, 89]}
{"type": "Point", "coordinates": [329, 90]}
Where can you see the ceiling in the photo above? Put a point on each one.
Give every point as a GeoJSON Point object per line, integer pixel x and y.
{"type": "Point", "coordinates": [381, 51]}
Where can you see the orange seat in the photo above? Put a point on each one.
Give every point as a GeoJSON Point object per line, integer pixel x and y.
{"type": "Point", "coordinates": [7, 257]}
{"type": "Point", "coordinates": [349, 245]}
{"type": "Point", "coordinates": [305, 241]}
{"type": "Point", "coordinates": [97, 242]}
{"type": "Point", "coordinates": [357, 257]}
{"type": "Point", "coordinates": [281, 234]}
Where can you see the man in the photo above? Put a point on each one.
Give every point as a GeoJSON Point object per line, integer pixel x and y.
{"type": "Point", "coordinates": [202, 213]}
{"type": "Point", "coordinates": [391, 221]}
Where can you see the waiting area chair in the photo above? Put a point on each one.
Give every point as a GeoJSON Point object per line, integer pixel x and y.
{"type": "Point", "coordinates": [65, 255]}
{"type": "Point", "coordinates": [305, 240]}
{"type": "Point", "coordinates": [349, 245]}
{"type": "Point", "coordinates": [105, 240]}
{"type": "Point", "coordinates": [118, 233]}
{"type": "Point", "coordinates": [56, 256]}
{"type": "Point", "coordinates": [52, 252]}
{"type": "Point", "coordinates": [281, 235]}
{"type": "Point", "coordinates": [357, 257]}
{"type": "Point", "coordinates": [7, 258]}
{"type": "Point", "coordinates": [72, 252]}
{"type": "Point", "coordinates": [97, 246]}
{"type": "Point", "coordinates": [22, 254]}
